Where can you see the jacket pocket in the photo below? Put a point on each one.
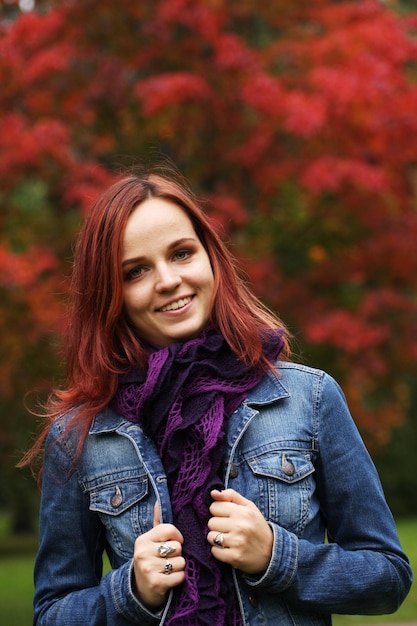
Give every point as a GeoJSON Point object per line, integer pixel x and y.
{"type": "Point", "coordinates": [116, 498]}
{"type": "Point", "coordinates": [123, 505]}
{"type": "Point", "coordinates": [285, 486]}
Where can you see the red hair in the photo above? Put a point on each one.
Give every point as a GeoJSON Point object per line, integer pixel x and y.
{"type": "Point", "coordinates": [100, 342]}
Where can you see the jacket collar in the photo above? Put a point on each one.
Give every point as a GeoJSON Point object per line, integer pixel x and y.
{"type": "Point", "coordinates": [270, 389]}
{"type": "Point", "coordinates": [107, 421]}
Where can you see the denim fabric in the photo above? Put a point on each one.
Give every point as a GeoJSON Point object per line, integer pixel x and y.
{"type": "Point", "coordinates": [292, 448]}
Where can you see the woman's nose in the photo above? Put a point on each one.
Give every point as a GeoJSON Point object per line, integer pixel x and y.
{"type": "Point", "coordinates": [167, 278]}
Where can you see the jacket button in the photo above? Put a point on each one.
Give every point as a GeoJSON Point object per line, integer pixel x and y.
{"type": "Point", "coordinates": [117, 499]}
{"type": "Point", "coordinates": [233, 470]}
{"type": "Point", "coordinates": [253, 600]}
{"type": "Point", "coordinates": [287, 466]}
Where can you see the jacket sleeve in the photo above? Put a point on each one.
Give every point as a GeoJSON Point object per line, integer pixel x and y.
{"type": "Point", "coordinates": [361, 569]}
{"type": "Point", "coordinates": [69, 587]}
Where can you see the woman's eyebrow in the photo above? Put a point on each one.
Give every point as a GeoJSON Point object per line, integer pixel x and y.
{"type": "Point", "coordinates": [174, 244]}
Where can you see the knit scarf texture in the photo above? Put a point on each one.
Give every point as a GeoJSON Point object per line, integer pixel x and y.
{"type": "Point", "coordinates": [182, 403]}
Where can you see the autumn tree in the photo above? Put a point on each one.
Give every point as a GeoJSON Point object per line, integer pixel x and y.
{"type": "Point", "coordinates": [294, 121]}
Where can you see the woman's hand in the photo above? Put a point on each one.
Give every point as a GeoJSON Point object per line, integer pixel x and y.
{"type": "Point", "coordinates": [239, 533]}
{"type": "Point", "coordinates": [155, 574]}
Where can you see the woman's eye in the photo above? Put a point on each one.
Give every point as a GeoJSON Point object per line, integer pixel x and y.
{"type": "Point", "coordinates": [182, 254]}
{"type": "Point", "coordinates": [135, 272]}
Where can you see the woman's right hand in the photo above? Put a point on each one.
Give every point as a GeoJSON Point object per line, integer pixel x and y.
{"type": "Point", "coordinates": [154, 574]}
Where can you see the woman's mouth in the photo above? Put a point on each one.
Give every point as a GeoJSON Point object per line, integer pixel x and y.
{"type": "Point", "coordinates": [174, 306]}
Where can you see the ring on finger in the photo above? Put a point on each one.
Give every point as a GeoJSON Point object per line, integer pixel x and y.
{"type": "Point", "coordinates": [218, 540]}
{"type": "Point", "coordinates": [165, 550]}
{"type": "Point", "coordinates": [168, 567]}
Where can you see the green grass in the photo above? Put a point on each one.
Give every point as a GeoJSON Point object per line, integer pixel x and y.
{"type": "Point", "coordinates": [16, 590]}
{"type": "Point", "coordinates": [16, 587]}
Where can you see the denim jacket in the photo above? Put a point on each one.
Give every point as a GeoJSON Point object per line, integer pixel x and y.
{"type": "Point", "coordinates": [292, 448]}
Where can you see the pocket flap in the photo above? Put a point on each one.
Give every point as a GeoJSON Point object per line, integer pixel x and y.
{"type": "Point", "coordinates": [288, 466]}
{"type": "Point", "coordinates": [115, 498]}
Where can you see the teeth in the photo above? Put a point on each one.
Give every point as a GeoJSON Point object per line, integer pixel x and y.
{"type": "Point", "coordinates": [176, 305]}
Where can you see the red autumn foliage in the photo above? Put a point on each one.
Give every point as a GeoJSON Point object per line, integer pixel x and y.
{"type": "Point", "coordinates": [169, 89]}
{"type": "Point", "coordinates": [294, 121]}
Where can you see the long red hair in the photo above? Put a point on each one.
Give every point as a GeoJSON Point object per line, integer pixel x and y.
{"type": "Point", "coordinates": [100, 343]}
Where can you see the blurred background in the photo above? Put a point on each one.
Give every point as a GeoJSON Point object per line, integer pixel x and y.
{"type": "Point", "coordinates": [294, 121]}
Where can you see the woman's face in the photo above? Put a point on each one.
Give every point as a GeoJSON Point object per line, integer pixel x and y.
{"type": "Point", "coordinates": [168, 279]}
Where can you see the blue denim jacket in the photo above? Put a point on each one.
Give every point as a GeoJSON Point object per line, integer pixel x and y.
{"type": "Point", "coordinates": [292, 448]}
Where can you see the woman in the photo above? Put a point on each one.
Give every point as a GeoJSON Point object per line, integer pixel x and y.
{"type": "Point", "coordinates": [209, 471]}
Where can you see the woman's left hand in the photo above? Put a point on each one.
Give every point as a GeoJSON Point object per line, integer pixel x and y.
{"type": "Point", "coordinates": [239, 533]}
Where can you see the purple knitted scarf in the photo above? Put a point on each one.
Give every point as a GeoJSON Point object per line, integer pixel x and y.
{"type": "Point", "coordinates": [181, 403]}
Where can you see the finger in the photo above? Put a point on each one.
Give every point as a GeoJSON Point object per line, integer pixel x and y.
{"type": "Point", "coordinates": [166, 549]}
{"type": "Point", "coordinates": [175, 565]}
{"type": "Point", "coordinates": [227, 503]}
{"type": "Point", "coordinates": [221, 520]}
{"type": "Point", "coordinates": [167, 533]}
{"type": "Point", "coordinates": [217, 539]}
{"type": "Point", "coordinates": [229, 495]}
{"type": "Point", "coordinates": [156, 516]}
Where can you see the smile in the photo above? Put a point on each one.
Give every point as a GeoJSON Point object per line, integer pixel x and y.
{"type": "Point", "coordinates": [179, 304]}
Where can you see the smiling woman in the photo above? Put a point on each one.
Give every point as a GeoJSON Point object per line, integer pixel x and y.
{"type": "Point", "coordinates": [188, 447]}
{"type": "Point", "coordinates": [168, 278]}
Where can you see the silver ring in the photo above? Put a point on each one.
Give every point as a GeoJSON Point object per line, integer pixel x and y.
{"type": "Point", "coordinates": [218, 540]}
{"type": "Point", "coordinates": [168, 567]}
{"type": "Point", "coordinates": [165, 550]}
